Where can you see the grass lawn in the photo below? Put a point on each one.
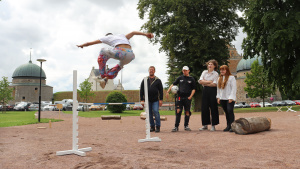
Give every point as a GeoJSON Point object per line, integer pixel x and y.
{"type": "Point", "coordinates": [19, 118]}
{"type": "Point", "coordinates": [124, 114]}
{"type": "Point", "coordinates": [263, 109]}
{"type": "Point", "coordinates": [167, 112]}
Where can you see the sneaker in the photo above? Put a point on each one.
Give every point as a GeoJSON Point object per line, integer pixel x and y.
{"type": "Point", "coordinates": [186, 128]}
{"type": "Point", "coordinates": [103, 82]}
{"type": "Point", "coordinates": [175, 129]}
{"type": "Point", "coordinates": [203, 128]}
{"type": "Point", "coordinates": [213, 128]}
{"type": "Point", "coordinates": [157, 129]}
{"type": "Point", "coordinates": [152, 128]}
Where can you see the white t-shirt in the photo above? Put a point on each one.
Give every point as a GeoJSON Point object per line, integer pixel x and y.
{"type": "Point", "coordinates": [212, 76]}
{"type": "Point", "coordinates": [114, 40]}
{"type": "Point", "coordinates": [229, 92]}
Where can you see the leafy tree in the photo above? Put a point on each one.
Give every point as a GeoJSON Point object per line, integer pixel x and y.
{"type": "Point", "coordinates": [191, 32]}
{"type": "Point", "coordinates": [257, 82]}
{"type": "Point", "coordinates": [85, 90]}
{"type": "Point", "coordinates": [5, 93]}
{"type": "Point", "coordinates": [273, 33]}
{"type": "Point", "coordinates": [116, 97]}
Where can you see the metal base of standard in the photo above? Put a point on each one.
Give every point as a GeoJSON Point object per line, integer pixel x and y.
{"type": "Point", "coordinates": [80, 152]}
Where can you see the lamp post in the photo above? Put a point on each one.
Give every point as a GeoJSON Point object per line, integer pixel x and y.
{"type": "Point", "coordinates": [40, 60]}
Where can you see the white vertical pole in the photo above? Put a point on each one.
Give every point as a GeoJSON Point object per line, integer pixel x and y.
{"type": "Point", "coordinates": [148, 138]}
{"type": "Point", "coordinates": [147, 108]}
{"type": "Point", "coordinates": [75, 149]}
{"type": "Point", "coordinates": [75, 112]}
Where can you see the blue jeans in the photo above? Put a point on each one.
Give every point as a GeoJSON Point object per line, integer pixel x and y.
{"type": "Point", "coordinates": [153, 109]}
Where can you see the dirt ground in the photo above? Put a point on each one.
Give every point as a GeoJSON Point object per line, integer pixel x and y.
{"type": "Point", "coordinates": [115, 144]}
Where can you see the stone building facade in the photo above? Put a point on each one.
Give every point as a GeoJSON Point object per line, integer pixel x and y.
{"type": "Point", "coordinates": [93, 78]}
{"type": "Point", "coordinates": [233, 60]}
{"type": "Point", "coordinates": [243, 67]}
{"type": "Point", "coordinates": [26, 84]}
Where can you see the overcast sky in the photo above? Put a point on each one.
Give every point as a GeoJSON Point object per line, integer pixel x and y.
{"type": "Point", "coordinates": [53, 28]}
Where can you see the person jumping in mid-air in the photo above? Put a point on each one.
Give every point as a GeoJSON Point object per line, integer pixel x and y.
{"type": "Point", "coordinates": [121, 51]}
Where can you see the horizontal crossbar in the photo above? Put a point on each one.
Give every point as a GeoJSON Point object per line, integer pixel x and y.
{"type": "Point", "coordinates": [113, 103]}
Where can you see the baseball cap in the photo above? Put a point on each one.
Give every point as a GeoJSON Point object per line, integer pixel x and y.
{"type": "Point", "coordinates": [185, 68]}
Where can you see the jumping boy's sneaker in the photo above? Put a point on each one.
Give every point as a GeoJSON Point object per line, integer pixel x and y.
{"type": "Point", "coordinates": [175, 129]}
{"type": "Point", "coordinates": [186, 128]}
{"type": "Point", "coordinates": [103, 82]}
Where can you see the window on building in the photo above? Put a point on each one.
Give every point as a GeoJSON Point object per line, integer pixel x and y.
{"type": "Point", "coordinates": [247, 95]}
{"type": "Point", "coordinates": [23, 97]}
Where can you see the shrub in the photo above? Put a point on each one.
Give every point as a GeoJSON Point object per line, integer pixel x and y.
{"type": "Point", "coordinates": [116, 97]}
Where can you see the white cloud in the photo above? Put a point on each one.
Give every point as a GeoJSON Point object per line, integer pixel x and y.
{"type": "Point", "coordinates": [54, 28]}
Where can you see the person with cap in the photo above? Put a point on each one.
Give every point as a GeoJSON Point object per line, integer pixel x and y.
{"type": "Point", "coordinates": [185, 93]}
{"type": "Point", "coordinates": [121, 51]}
{"type": "Point", "coordinates": [209, 80]}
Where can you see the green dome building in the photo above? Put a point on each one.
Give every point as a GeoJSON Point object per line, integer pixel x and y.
{"type": "Point", "coordinates": [243, 67]}
{"type": "Point", "coordinates": [26, 84]}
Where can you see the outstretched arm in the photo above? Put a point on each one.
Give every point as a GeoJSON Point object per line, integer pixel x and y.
{"type": "Point", "coordinates": [131, 34]}
{"type": "Point", "coordinates": [89, 43]}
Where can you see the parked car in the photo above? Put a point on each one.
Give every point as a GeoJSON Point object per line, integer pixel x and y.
{"type": "Point", "coordinates": [238, 105]}
{"type": "Point", "coordinates": [128, 107]}
{"type": "Point", "coordinates": [22, 106]}
{"type": "Point", "coordinates": [96, 107]}
{"type": "Point", "coordinates": [33, 107]}
{"type": "Point", "coordinates": [297, 102]}
{"type": "Point", "coordinates": [254, 104]}
{"type": "Point", "coordinates": [80, 108]}
{"type": "Point", "coordinates": [49, 107]}
{"type": "Point", "coordinates": [278, 103]}
{"type": "Point", "coordinates": [245, 105]}
{"type": "Point", "coordinates": [289, 102]}
{"type": "Point", "coordinates": [138, 107]}
{"type": "Point", "coordinates": [7, 107]}
{"type": "Point", "coordinates": [267, 104]}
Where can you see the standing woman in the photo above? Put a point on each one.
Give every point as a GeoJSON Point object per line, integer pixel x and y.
{"type": "Point", "coordinates": [226, 94]}
{"type": "Point", "coordinates": [208, 80]}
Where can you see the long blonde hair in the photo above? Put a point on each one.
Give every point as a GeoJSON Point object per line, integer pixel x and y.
{"type": "Point", "coordinates": [221, 83]}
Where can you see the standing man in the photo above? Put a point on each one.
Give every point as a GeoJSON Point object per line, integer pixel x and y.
{"type": "Point", "coordinates": [186, 91]}
{"type": "Point", "coordinates": [155, 98]}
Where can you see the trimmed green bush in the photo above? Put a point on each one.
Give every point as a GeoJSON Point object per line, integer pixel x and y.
{"type": "Point", "coordinates": [116, 97]}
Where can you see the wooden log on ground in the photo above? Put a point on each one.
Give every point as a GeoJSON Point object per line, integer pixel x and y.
{"type": "Point", "coordinates": [162, 118]}
{"type": "Point", "coordinates": [251, 125]}
{"type": "Point", "coordinates": [111, 117]}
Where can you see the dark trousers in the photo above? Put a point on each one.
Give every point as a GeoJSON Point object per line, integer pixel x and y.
{"type": "Point", "coordinates": [209, 106]}
{"type": "Point", "coordinates": [182, 102]}
{"type": "Point", "coordinates": [228, 109]}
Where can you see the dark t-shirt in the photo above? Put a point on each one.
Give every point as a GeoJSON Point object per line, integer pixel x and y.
{"type": "Point", "coordinates": [186, 85]}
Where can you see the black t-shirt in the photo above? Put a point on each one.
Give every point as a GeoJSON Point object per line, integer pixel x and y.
{"type": "Point", "coordinates": [186, 85]}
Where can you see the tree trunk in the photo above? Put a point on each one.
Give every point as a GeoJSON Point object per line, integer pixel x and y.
{"type": "Point", "coordinates": [198, 100]}
{"type": "Point", "coordinates": [251, 125]}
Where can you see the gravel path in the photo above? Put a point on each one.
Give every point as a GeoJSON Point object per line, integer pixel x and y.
{"type": "Point", "coordinates": [115, 144]}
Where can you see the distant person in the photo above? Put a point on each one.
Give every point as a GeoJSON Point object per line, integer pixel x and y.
{"type": "Point", "coordinates": [226, 94]}
{"type": "Point", "coordinates": [155, 98]}
{"type": "Point", "coordinates": [121, 51]}
{"type": "Point", "coordinates": [185, 93]}
{"type": "Point", "coordinates": [208, 79]}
